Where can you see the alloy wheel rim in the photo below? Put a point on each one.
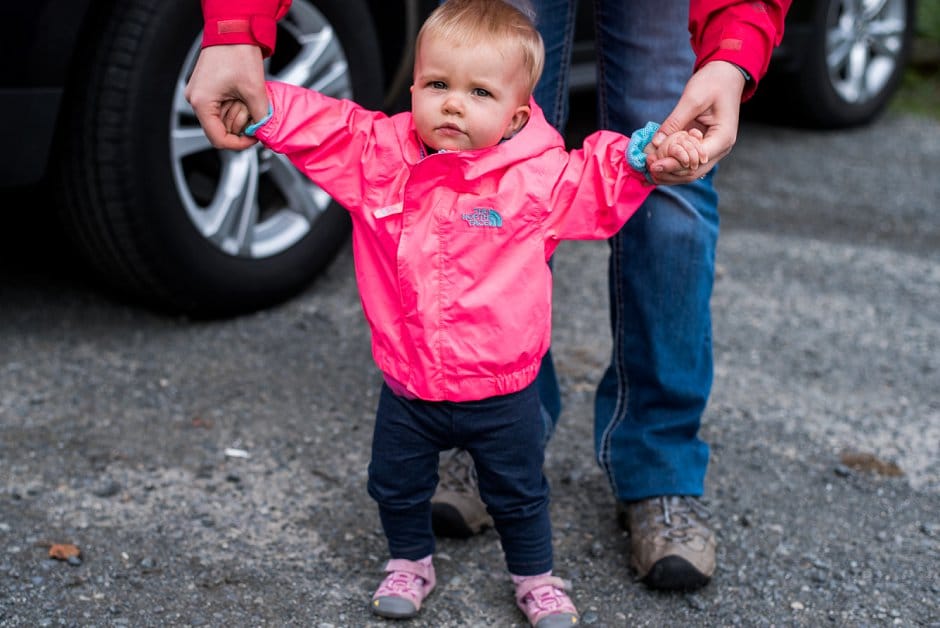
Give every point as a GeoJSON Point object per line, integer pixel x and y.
{"type": "Point", "coordinates": [864, 44]}
{"type": "Point", "coordinates": [253, 203]}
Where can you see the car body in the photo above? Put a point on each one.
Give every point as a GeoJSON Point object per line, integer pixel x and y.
{"type": "Point", "coordinates": [92, 94]}
{"type": "Point", "coordinates": [839, 64]}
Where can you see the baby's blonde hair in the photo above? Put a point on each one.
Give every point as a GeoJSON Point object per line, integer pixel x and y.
{"type": "Point", "coordinates": [485, 21]}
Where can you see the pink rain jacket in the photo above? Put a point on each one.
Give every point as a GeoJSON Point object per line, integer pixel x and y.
{"type": "Point", "coordinates": [451, 248]}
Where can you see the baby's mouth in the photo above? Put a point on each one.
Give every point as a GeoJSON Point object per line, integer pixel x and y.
{"type": "Point", "coordinates": [450, 127]}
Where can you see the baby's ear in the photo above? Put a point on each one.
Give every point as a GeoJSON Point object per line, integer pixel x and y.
{"type": "Point", "coordinates": [519, 118]}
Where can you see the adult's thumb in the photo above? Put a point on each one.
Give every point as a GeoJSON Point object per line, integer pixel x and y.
{"type": "Point", "coordinates": [257, 103]}
{"type": "Point", "coordinates": [680, 119]}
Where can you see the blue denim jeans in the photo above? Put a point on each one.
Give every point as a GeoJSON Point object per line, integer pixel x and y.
{"type": "Point", "coordinates": [651, 398]}
{"type": "Point", "coordinates": [505, 437]}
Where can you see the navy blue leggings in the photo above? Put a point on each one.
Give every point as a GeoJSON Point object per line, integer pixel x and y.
{"type": "Point", "coordinates": [505, 437]}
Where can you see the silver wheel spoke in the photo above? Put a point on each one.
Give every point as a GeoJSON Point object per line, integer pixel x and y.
{"type": "Point", "coordinates": [334, 83]}
{"type": "Point", "coordinates": [873, 7]}
{"type": "Point", "coordinates": [886, 35]}
{"type": "Point", "coordinates": [188, 141]}
{"type": "Point", "coordinates": [186, 138]}
{"type": "Point", "coordinates": [181, 106]}
{"type": "Point", "coordinates": [839, 46]}
{"type": "Point", "coordinates": [852, 10]}
{"type": "Point", "coordinates": [318, 51]}
{"type": "Point", "coordinates": [858, 63]}
{"type": "Point", "coordinates": [297, 189]}
{"type": "Point", "coordinates": [863, 45]}
{"type": "Point", "coordinates": [255, 204]}
{"type": "Point", "coordinates": [321, 63]}
{"type": "Point", "coordinates": [234, 210]}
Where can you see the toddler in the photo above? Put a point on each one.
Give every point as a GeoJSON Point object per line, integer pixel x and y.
{"type": "Point", "coordinates": [457, 207]}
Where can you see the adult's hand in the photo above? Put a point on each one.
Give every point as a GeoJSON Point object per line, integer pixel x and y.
{"type": "Point", "coordinates": [710, 102]}
{"type": "Point", "coordinates": [223, 73]}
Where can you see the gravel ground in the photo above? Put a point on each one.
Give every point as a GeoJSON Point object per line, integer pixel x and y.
{"type": "Point", "coordinates": [213, 473]}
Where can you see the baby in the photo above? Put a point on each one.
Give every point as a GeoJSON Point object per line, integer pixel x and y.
{"type": "Point", "coordinates": [457, 207]}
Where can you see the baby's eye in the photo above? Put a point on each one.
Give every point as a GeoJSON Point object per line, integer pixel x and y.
{"type": "Point", "coordinates": [482, 93]}
{"type": "Point", "coordinates": [437, 85]}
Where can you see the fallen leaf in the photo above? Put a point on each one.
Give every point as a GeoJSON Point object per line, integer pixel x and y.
{"type": "Point", "coordinates": [862, 461]}
{"type": "Point", "coordinates": [64, 551]}
{"type": "Point", "coordinates": [198, 421]}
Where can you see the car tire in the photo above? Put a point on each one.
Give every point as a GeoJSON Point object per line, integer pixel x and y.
{"type": "Point", "coordinates": [128, 204]}
{"type": "Point", "coordinates": [851, 65]}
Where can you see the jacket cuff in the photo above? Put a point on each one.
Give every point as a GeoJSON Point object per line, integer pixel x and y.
{"type": "Point", "coordinates": [257, 30]}
{"type": "Point", "coordinates": [251, 129]}
{"type": "Point", "coordinates": [636, 156]}
{"type": "Point", "coordinates": [747, 43]}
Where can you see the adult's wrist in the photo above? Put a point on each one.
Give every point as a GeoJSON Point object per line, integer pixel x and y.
{"type": "Point", "coordinates": [734, 73]}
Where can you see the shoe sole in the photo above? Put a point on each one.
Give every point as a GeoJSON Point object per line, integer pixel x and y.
{"type": "Point", "coordinates": [673, 573]}
{"type": "Point", "coordinates": [448, 522]}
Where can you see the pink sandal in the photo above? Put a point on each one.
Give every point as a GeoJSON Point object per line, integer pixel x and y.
{"type": "Point", "coordinates": [407, 584]}
{"type": "Point", "coordinates": [545, 603]}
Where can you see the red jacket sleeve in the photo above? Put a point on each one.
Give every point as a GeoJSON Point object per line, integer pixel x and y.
{"type": "Point", "coordinates": [744, 32]}
{"type": "Point", "coordinates": [242, 22]}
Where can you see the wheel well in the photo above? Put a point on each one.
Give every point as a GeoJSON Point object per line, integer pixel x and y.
{"type": "Point", "coordinates": [397, 23]}
{"type": "Point", "coordinates": [399, 20]}
{"type": "Point", "coordinates": [93, 17]}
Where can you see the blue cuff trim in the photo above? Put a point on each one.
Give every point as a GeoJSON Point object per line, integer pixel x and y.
{"type": "Point", "coordinates": [251, 129]}
{"type": "Point", "coordinates": [747, 75]}
{"type": "Point", "coordinates": [638, 141]}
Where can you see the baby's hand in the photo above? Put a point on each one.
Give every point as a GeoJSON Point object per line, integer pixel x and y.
{"type": "Point", "coordinates": [683, 146]}
{"type": "Point", "coordinates": [235, 116]}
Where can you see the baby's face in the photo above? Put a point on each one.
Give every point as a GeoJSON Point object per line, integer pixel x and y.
{"type": "Point", "coordinates": [467, 97]}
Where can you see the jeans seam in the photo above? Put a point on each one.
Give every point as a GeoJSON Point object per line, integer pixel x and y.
{"type": "Point", "coordinates": [623, 385]}
{"type": "Point", "coordinates": [561, 94]}
{"type": "Point", "coordinates": [600, 85]}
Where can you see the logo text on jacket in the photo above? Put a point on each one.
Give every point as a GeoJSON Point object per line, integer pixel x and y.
{"type": "Point", "coordinates": [483, 217]}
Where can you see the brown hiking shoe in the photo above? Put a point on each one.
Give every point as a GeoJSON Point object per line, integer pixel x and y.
{"type": "Point", "coordinates": [456, 508]}
{"type": "Point", "coordinates": [671, 547]}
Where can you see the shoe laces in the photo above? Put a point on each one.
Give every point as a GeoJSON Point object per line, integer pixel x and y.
{"type": "Point", "coordinates": [457, 472]}
{"type": "Point", "coordinates": [681, 513]}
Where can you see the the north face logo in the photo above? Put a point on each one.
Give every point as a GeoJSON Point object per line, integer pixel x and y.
{"type": "Point", "coordinates": [483, 217]}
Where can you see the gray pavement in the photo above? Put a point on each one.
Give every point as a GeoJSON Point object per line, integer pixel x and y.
{"type": "Point", "coordinates": [213, 473]}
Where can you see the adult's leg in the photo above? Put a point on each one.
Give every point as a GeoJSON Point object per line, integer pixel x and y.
{"type": "Point", "coordinates": [555, 21]}
{"type": "Point", "coordinates": [651, 398]}
{"type": "Point", "coordinates": [458, 510]}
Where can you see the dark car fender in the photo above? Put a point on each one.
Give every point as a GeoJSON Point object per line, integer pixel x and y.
{"type": "Point", "coordinates": [36, 51]}
{"type": "Point", "coordinates": [44, 43]}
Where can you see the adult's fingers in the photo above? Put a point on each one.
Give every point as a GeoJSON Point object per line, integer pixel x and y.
{"type": "Point", "coordinates": [719, 140]}
{"type": "Point", "coordinates": [668, 171]}
{"type": "Point", "coordinates": [683, 117]}
{"type": "Point", "coordinates": [710, 102]}
{"type": "Point", "coordinates": [257, 101]}
{"type": "Point", "coordinates": [223, 73]}
{"type": "Point", "coordinates": [218, 135]}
